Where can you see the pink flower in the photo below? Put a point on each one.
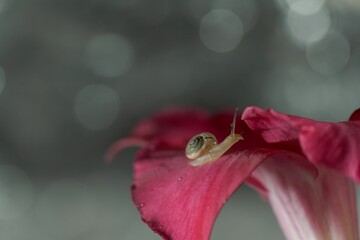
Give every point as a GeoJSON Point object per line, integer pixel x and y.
{"type": "Point", "coordinates": [299, 165]}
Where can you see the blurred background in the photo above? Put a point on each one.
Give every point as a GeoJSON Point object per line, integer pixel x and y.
{"type": "Point", "coordinates": [76, 75]}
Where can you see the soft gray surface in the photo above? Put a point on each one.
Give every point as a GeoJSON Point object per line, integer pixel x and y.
{"type": "Point", "coordinates": [76, 75]}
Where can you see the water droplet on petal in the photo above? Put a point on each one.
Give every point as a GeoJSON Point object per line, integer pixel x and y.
{"type": "Point", "coordinates": [140, 205]}
{"type": "Point", "coordinates": [180, 178]}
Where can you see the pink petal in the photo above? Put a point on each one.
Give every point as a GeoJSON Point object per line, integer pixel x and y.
{"type": "Point", "coordinates": [179, 201]}
{"type": "Point", "coordinates": [309, 205]}
{"type": "Point", "coordinates": [336, 145]}
{"type": "Point", "coordinates": [122, 144]}
{"type": "Point", "coordinates": [274, 127]}
{"type": "Point", "coordinates": [174, 127]}
{"type": "Point", "coordinates": [173, 124]}
{"type": "Point", "coordinates": [182, 202]}
{"type": "Point", "coordinates": [355, 116]}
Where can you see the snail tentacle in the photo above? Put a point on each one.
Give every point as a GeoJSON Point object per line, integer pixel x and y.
{"type": "Point", "coordinates": [203, 148]}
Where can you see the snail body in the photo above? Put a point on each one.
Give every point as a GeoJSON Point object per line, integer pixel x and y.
{"type": "Point", "coordinates": [203, 148]}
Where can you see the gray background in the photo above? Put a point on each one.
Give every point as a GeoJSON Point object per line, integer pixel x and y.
{"type": "Point", "coordinates": [75, 75]}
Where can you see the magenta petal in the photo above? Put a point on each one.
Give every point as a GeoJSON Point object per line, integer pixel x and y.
{"type": "Point", "coordinates": [121, 144]}
{"type": "Point", "coordinates": [181, 202]}
{"type": "Point", "coordinates": [308, 206]}
{"type": "Point", "coordinates": [355, 116]}
{"type": "Point", "coordinates": [172, 124]}
{"type": "Point", "coordinates": [176, 200]}
{"type": "Point", "coordinates": [334, 144]}
{"type": "Point", "coordinates": [274, 127]}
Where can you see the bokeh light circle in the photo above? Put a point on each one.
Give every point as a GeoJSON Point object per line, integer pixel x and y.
{"type": "Point", "coordinates": [96, 106]}
{"type": "Point", "coordinates": [330, 55]}
{"type": "Point", "coordinates": [246, 10]}
{"type": "Point", "coordinates": [221, 30]}
{"type": "Point", "coordinates": [307, 28]}
{"type": "Point", "coordinates": [307, 7]}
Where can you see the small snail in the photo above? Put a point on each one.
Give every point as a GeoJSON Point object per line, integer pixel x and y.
{"type": "Point", "coordinates": [203, 148]}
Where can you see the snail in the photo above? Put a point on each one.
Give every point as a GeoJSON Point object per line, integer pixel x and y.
{"type": "Point", "coordinates": [203, 148]}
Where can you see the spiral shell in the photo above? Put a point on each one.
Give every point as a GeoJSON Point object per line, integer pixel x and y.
{"type": "Point", "coordinates": [200, 144]}
{"type": "Point", "coordinates": [203, 148]}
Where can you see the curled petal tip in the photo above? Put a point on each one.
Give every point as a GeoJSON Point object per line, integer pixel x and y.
{"type": "Point", "coordinates": [121, 144]}
{"type": "Point", "coordinates": [250, 112]}
{"type": "Point", "coordinates": [355, 116]}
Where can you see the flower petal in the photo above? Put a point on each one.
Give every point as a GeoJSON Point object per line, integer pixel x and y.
{"type": "Point", "coordinates": [336, 145]}
{"type": "Point", "coordinates": [173, 124]}
{"type": "Point", "coordinates": [122, 144]}
{"type": "Point", "coordinates": [355, 116]}
{"type": "Point", "coordinates": [173, 127]}
{"type": "Point", "coordinates": [181, 202]}
{"type": "Point", "coordinates": [308, 206]}
{"type": "Point", "coordinates": [274, 127]}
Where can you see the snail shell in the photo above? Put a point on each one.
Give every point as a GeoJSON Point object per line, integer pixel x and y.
{"type": "Point", "coordinates": [200, 144]}
{"type": "Point", "coordinates": [203, 148]}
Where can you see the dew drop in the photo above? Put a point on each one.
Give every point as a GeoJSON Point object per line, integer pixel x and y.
{"type": "Point", "coordinates": [180, 178]}
{"type": "Point", "coordinates": [140, 205]}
